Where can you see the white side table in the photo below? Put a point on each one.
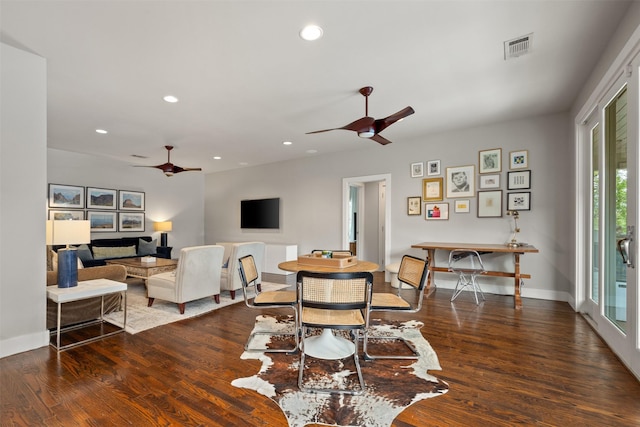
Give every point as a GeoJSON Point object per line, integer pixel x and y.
{"type": "Point", "coordinates": [86, 289]}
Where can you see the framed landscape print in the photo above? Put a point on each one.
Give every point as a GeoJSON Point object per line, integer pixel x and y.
{"type": "Point", "coordinates": [414, 205]}
{"type": "Point", "coordinates": [433, 167]}
{"type": "Point", "coordinates": [129, 221]}
{"type": "Point", "coordinates": [460, 181]}
{"type": "Point", "coordinates": [519, 159]}
{"type": "Point", "coordinates": [432, 189]}
{"type": "Point", "coordinates": [131, 200]}
{"type": "Point", "coordinates": [102, 221]}
{"type": "Point", "coordinates": [436, 211]}
{"type": "Point", "coordinates": [417, 170]}
{"type": "Point", "coordinates": [519, 180]}
{"type": "Point", "coordinates": [519, 201]}
{"type": "Point", "coordinates": [490, 161]}
{"type": "Point", "coordinates": [66, 196]}
{"type": "Point", "coordinates": [56, 215]}
{"type": "Point", "coordinates": [101, 198]}
{"type": "Point", "coordinates": [489, 204]}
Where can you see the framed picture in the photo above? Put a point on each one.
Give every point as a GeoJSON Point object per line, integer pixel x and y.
{"type": "Point", "coordinates": [489, 181]}
{"type": "Point", "coordinates": [131, 200]}
{"type": "Point", "coordinates": [432, 189]}
{"type": "Point", "coordinates": [414, 205]}
{"type": "Point", "coordinates": [436, 211]}
{"type": "Point", "coordinates": [66, 215]}
{"type": "Point", "coordinates": [417, 170]}
{"type": "Point", "coordinates": [461, 206]}
{"type": "Point", "coordinates": [101, 198]}
{"type": "Point", "coordinates": [460, 181]}
{"type": "Point", "coordinates": [490, 161]}
{"type": "Point", "coordinates": [66, 196]}
{"type": "Point", "coordinates": [519, 159]}
{"type": "Point", "coordinates": [489, 204]}
{"type": "Point", "coordinates": [130, 221]}
{"type": "Point", "coordinates": [519, 201]}
{"type": "Point", "coordinates": [433, 167]}
{"type": "Point", "coordinates": [519, 180]}
{"type": "Point", "coordinates": [102, 221]}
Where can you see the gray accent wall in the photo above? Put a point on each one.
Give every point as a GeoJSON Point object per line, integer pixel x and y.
{"type": "Point", "coordinates": [311, 198]}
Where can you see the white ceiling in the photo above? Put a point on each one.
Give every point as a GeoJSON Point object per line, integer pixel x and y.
{"type": "Point", "coordinates": [247, 82]}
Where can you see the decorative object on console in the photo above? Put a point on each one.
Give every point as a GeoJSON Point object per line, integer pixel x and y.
{"type": "Point", "coordinates": [513, 243]}
{"type": "Point", "coordinates": [67, 233]}
{"type": "Point", "coordinates": [163, 227]}
{"type": "Point", "coordinates": [368, 127]}
{"type": "Point", "coordinates": [169, 168]}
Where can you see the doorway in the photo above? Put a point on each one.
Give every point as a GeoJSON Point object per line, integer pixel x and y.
{"type": "Point", "coordinates": [363, 198]}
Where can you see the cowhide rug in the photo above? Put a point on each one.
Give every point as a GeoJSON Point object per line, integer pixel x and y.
{"type": "Point", "coordinates": [391, 385]}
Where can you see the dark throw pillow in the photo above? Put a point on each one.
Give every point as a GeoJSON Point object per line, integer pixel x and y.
{"type": "Point", "coordinates": [147, 248]}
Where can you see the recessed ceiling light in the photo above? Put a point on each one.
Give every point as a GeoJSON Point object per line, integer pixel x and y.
{"type": "Point", "coordinates": [217, 157]}
{"type": "Point", "coordinates": [312, 151]}
{"type": "Point", "coordinates": [243, 164]}
{"type": "Point", "coordinates": [170, 98]}
{"type": "Point", "coordinates": [101, 131]}
{"type": "Point", "coordinates": [287, 143]}
{"type": "Point", "coordinates": [311, 32]}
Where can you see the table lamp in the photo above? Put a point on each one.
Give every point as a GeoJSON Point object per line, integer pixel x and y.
{"type": "Point", "coordinates": [163, 226]}
{"type": "Point", "coordinates": [67, 233]}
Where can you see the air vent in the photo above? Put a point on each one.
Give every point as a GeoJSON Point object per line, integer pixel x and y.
{"type": "Point", "coordinates": [518, 46]}
{"type": "Point", "coordinates": [139, 156]}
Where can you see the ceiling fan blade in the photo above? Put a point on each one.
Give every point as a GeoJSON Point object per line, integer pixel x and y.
{"type": "Point", "coordinates": [356, 126]}
{"type": "Point", "coordinates": [178, 169]}
{"type": "Point", "coordinates": [382, 124]}
{"type": "Point", "coordinates": [380, 139]}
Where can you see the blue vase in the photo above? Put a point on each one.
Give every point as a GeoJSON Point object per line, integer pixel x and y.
{"type": "Point", "coordinates": [67, 268]}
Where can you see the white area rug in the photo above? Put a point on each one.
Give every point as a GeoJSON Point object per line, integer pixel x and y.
{"type": "Point", "coordinates": [140, 317]}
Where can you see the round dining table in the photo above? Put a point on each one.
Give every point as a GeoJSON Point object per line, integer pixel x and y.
{"type": "Point", "coordinates": [295, 266]}
{"type": "Point", "coordinates": [327, 345]}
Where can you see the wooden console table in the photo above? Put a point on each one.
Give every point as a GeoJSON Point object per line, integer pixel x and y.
{"type": "Point", "coordinates": [431, 248]}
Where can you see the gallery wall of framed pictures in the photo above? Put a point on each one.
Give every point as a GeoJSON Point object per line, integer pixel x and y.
{"type": "Point", "coordinates": [461, 184]}
{"type": "Point", "coordinates": [107, 210]}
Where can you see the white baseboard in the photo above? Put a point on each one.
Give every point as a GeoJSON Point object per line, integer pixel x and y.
{"type": "Point", "coordinates": [507, 289]}
{"type": "Point", "coordinates": [23, 343]}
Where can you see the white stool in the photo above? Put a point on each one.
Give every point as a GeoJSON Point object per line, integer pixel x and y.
{"type": "Point", "coordinates": [393, 271]}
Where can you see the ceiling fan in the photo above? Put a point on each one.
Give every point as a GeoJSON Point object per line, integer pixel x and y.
{"type": "Point", "coordinates": [169, 168]}
{"type": "Point", "coordinates": [368, 127]}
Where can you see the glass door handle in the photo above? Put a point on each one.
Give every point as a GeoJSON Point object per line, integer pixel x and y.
{"type": "Point", "coordinates": [625, 247]}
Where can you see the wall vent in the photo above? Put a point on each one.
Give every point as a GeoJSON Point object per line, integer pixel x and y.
{"type": "Point", "coordinates": [518, 46]}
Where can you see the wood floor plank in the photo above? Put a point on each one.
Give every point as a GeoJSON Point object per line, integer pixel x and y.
{"type": "Point", "coordinates": [542, 366]}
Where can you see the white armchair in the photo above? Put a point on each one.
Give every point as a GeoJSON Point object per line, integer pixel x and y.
{"type": "Point", "coordinates": [230, 277]}
{"type": "Point", "coordinates": [197, 276]}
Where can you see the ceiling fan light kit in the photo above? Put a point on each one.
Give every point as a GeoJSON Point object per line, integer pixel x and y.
{"type": "Point", "coordinates": [368, 127]}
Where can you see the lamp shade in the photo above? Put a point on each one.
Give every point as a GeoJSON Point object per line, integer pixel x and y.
{"type": "Point", "coordinates": [68, 232]}
{"type": "Point", "coordinates": [163, 226]}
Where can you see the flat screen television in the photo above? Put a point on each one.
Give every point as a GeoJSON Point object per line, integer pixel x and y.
{"type": "Point", "coordinates": [260, 213]}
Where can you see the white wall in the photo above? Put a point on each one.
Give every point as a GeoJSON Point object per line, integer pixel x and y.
{"type": "Point", "coordinates": [23, 177]}
{"type": "Point", "coordinates": [310, 190]}
{"type": "Point", "coordinates": [178, 198]}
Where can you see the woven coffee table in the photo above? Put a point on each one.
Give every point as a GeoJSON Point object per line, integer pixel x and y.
{"type": "Point", "coordinates": [143, 270]}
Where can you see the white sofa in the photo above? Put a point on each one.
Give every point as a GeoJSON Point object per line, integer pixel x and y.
{"type": "Point", "coordinates": [233, 251]}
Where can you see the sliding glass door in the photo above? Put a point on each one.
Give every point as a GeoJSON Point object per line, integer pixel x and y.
{"type": "Point", "coordinates": [611, 297]}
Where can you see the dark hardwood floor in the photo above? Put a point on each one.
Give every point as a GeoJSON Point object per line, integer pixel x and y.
{"type": "Point", "coordinates": [540, 366]}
